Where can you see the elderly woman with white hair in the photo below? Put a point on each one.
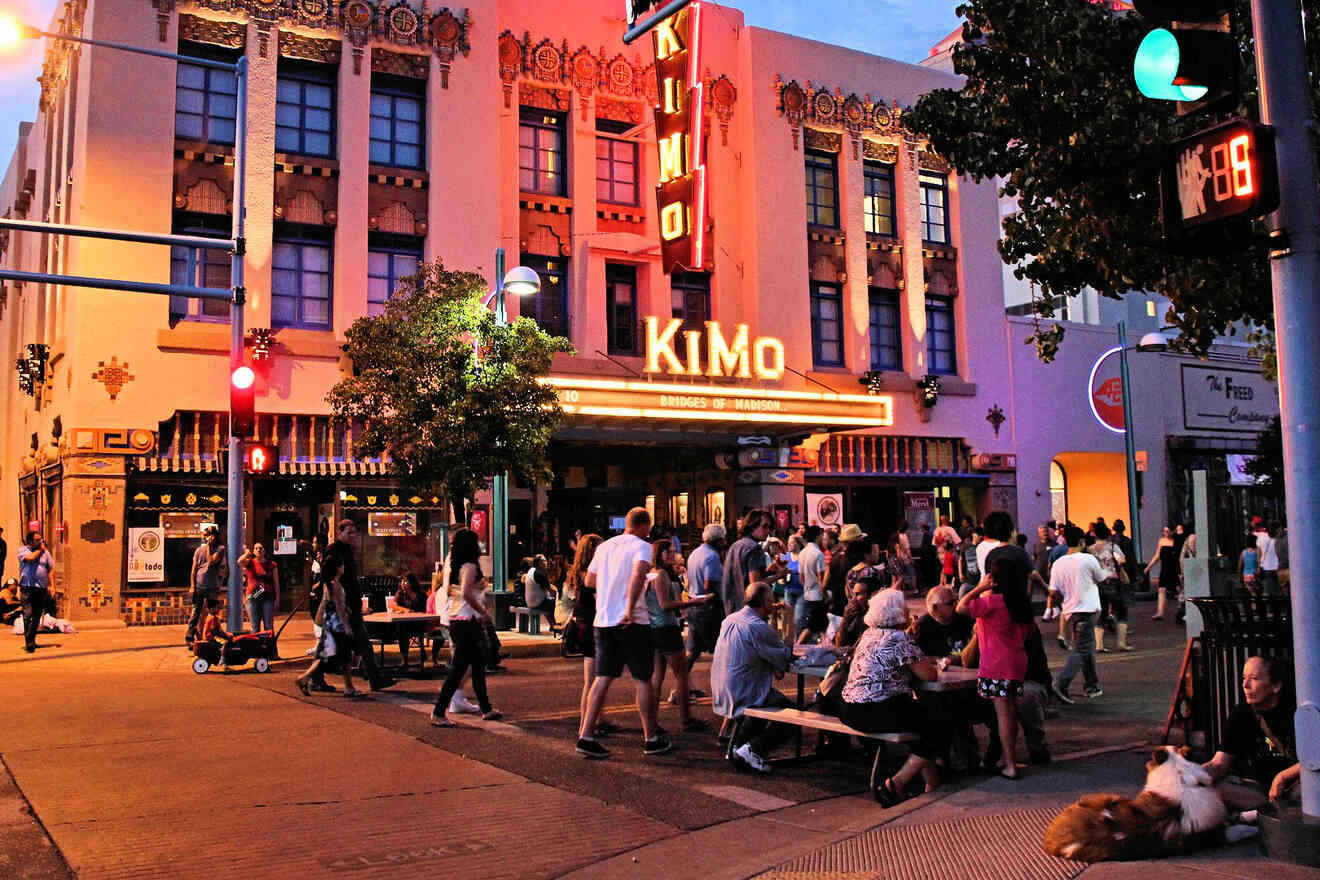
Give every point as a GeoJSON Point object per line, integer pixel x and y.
{"type": "Point", "coordinates": [878, 697]}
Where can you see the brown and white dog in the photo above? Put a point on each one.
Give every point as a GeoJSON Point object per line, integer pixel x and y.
{"type": "Point", "coordinates": [1177, 812]}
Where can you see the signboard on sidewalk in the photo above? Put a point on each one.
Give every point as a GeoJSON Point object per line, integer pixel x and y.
{"type": "Point", "coordinates": [146, 555]}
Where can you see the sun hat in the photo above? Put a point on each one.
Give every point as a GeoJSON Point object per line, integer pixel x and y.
{"type": "Point", "coordinates": [851, 532]}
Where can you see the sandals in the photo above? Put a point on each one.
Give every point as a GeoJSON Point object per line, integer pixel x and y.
{"type": "Point", "coordinates": [439, 720]}
{"type": "Point", "coordinates": [887, 796]}
{"type": "Point", "coordinates": [1017, 774]}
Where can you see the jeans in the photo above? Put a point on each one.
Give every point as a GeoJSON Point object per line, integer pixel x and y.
{"type": "Point", "coordinates": [466, 638]}
{"type": "Point", "coordinates": [199, 598]}
{"type": "Point", "coordinates": [1082, 655]}
{"type": "Point", "coordinates": [34, 601]}
{"type": "Point", "coordinates": [262, 613]}
{"type": "Point", "coordinates": [766, 736]}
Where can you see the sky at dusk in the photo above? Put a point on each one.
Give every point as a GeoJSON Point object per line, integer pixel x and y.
{"type": "Point", "coordinates": [901, 29]}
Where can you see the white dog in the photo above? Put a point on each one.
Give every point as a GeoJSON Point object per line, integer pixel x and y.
{"type": "Point", "coordinates": [1177, 812]}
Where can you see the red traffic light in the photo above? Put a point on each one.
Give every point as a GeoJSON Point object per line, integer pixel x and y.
{"type": "Point", "coordinates": [242, 401]}
{"type": "Point", "coordinates": [261, 458]}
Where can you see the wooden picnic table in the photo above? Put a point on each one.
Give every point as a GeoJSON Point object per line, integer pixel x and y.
{"type": "Point", "coordinates": [390, 626]}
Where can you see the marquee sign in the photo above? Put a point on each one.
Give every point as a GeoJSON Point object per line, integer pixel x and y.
{"type": "Point", "coordinates": [680, 135]}
{"type": "Point", "coordinates": [736, 357]}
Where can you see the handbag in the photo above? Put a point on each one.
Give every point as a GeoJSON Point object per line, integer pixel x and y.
{"type": "Point", "coordinates": [831, 686]}
{"type": "Point", "coordinates": [258, 594]}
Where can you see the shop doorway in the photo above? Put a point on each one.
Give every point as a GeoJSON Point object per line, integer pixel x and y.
{"type": "Point", "coordinates": [285, 515]}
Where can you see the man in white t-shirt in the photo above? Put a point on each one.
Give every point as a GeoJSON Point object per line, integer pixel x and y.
{"type": "Point", "coordinates": [1269, 559]}
{"type": "Point", "coordinates": [623, 631]}
{"type": "Point", "coordinates": [1076, 577]}
{"type": "Point", "coordinates": [812, 566]}
{"type": "Point", "coordinates": [946, 534]}
{"type": "Point", "coordinates": [998, 531]}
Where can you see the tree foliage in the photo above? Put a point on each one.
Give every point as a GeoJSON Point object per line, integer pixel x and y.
{"type": "Point", "coordinates": [446, 419]}
{"type": "Point", "coordinates": [1267, 464]}
{"type": "Point", "coordinates": [1050, 107]}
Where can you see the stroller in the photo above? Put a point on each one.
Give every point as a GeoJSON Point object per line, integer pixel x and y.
{"type": "Point", "coordinates": [259, 647]}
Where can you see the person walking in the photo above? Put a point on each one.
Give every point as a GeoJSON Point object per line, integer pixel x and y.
{"type": "Point", "coordinates": [465, 599]}
{"type": "Point", "coordinates": [584, 615]}
{"type": "Point", "coordinates": [746, 562]}
{"type": "Point", "coordinates": [1249, 565]}
{"type": "Point", "coordinates": [1112, 600]}
{"type": "Point", "coordinates": [811, 568]}
{"type": "Point", "coordinates": [623, 631]}
{"type": "Point", "coordinates": [210, 573]}
{"type": "Point", "coordinates": [705, 577]}
{"type": "Point", "coordinates": [262, 589]}
{"type": "Point", "coordinates": [1166, 554]}
{"type": "Point", "coordinates": [34, 565]}
{"type": "Point", "coordinates": [666, 634]}
{"type": "Point", "coordinates": [338, 563]}
{"type": "Point", "coordinates": [1076, 577]}
{"type": "Point", "coordinates": [335, 644]}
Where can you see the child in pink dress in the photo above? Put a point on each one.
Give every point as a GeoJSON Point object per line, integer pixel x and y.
{"type": "Point", "coordinates": [1002, 610]}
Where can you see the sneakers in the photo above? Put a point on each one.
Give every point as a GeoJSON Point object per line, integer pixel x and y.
{"type": "Point", "coordinates": [749, 758]}
{"type": "Point", "coordinates": [1061, 695]}
{"type": "Point", "coordinates": [461, 705]}
{"type": "Point", "coordinates": [1094, 692]}
{"type": "Point", "coordinates": [1063, 643]}
{"type": "Point", "coordinates": [492, 715]}
{"type": "Point", "coordinates": [589, 748]}
{"type": "Point", "coordinates": [657, 745]}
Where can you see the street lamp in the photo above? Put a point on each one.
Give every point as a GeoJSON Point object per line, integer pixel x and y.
{"type": "Point", "coordinates": [11, 32]}
{"type": "Point", "coordinates": [519, 281]}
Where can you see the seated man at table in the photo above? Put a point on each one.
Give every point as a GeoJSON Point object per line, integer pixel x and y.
{"type": "Point", "coordinates": [942, 632]}
{"type": "Point", "coordinates": [1260, 740]}
{"type": "Point", "coordinates": [749, 656]}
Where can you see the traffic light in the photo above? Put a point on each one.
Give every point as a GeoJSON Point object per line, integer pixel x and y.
{"type": "Point", "coordinates": [242, 401]}
{"type": "Point", "coordinates": [1194, 60]}
{"type": "Point", "coordinates": [261, 458]}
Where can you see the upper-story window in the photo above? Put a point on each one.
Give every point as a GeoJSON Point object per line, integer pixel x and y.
{"type": "Point", "coordinates": [621, 308]}
{"type": "Point", "coordinates": [397, 121]}
{"type": "Point", "coordinates": [616, 164]}
{"type": "Point", "coordinates": [822, 188]}
{"type": "Point", "coordinates": [210, 268]}
{"type": "Point", "coordinates": [878, 197]}
{"type": "Point", "coordinates": [826, 324]}
{"type": "Point", "coordinates": [934, 207]}
{"type": "Point", "coordinates": [885, 330]}
{"type": "Point", "coordinates": [941, 347]}
{"type": "Point", "coordinates": [542, 156]}
{"type": "Point", "coordinates": [300, 279]}
{"type": "Point", "coordinates": [549, 307]}
{"type": "Point", "coordinates": [205, 98]}
{"type": "Point", "coordinates": [690, 299]}
{"type": "Point", "coordinates": [390, 258]}
{"type": "Point", "coordinates": [305, 109]}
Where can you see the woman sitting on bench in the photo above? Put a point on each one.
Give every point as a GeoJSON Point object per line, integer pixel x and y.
{"type": "Point", "coordinates": [878, 696]}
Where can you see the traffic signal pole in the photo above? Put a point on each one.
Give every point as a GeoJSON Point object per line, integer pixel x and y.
{"type": "Point", "coordinates": [1295, 270]}
{"type": "Point", "coordinates": [235, 506]}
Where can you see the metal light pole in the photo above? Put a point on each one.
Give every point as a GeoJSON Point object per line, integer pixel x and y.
{"type": "Point", "coordinates": [519, 281]}
{"type": "Point", "coordinates": [1285, 103]}
{"type": "Point", "coordinates": [236, 247]}
{"type": "Point", "coordinates": [1129, 442]}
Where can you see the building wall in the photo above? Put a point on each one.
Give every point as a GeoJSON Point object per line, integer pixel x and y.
{"type": "Point", "coordinates": [105, 154]}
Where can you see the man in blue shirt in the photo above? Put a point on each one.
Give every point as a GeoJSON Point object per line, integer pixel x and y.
{"type": "Point", "coordinates": [34, 565]}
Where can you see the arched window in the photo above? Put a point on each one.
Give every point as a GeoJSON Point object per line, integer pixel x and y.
{"type": "Point", "coordinates": [1058, 493]}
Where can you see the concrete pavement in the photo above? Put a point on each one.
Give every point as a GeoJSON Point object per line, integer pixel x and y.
{"type": "Point", "coordinates": [133, 767]}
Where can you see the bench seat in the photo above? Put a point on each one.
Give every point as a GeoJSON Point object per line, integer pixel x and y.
{"type": "Point", "coordinates": [819, 721]}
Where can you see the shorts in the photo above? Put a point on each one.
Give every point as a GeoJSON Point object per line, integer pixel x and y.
{"type": "Point", "coordinates": [703, 629]}
{"type": "Point", "coordinates": [625, 644]}
{"type": "Point", "coordinates": [990, 688]}
{"type": "Point", "coordinates": [667, 639]}
{"type": "Point", "coordinates": [818, 616]}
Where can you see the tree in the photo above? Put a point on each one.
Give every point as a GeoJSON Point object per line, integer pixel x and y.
{"type": "Point", "coordinates": [447, 420]}
{"type": "Point", "coordinates": [1267, 464]}
{"type": "Point", "coordinates": [1050, 107]}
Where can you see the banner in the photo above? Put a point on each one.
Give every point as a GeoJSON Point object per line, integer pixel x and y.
{"type": "Point", "coordinates": [825, 510]}
{"type": "Point", "coordinates": [146, 555]}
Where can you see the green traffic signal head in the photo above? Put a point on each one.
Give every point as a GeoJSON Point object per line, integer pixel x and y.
{"type": "Point", "coordinates": [1155, 69]}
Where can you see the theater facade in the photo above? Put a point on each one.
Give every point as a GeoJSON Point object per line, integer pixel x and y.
{"type": "Point", "coordinates": [778, 294]}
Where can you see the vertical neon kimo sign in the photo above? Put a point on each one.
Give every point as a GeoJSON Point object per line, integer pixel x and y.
{"type": "Point", "coordinates": [680, 136]}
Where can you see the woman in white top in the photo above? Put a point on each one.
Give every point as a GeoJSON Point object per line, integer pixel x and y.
{"type": "Point", "coordinates": [465, 601]}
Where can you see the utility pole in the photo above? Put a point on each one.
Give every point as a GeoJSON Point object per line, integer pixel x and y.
{"type": "Point", "coordinates": [1285, 103]}
{"type": "Point", "coordinates": [1129, 443]}
{"type": "Point", "coordinates": [237, 505]}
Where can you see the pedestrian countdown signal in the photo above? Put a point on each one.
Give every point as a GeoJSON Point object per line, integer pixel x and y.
{"type": "Point", "coordinates": [1223, 174]}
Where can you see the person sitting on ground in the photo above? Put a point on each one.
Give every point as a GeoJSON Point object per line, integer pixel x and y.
{"type": "Point", "coordinates": [749, 656]}
{"type": "Point", "coordinates": [10, 604]}
{"type": "Point", "coordinates": [878, 695]}
{"type": "Point", "coordinates": [1260, 740]}
{"type": "Point", "coordinates": [537, 592]}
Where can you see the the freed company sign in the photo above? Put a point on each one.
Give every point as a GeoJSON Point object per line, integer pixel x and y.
{"type": "Point", "coordinates": [1227, 400]}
